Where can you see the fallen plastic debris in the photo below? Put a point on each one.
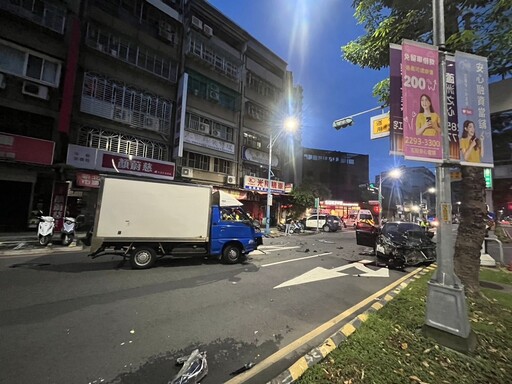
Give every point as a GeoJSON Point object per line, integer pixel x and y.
{"type": "Point", "coordinates": [194, 368]}
{"type": "Point", "coordinates": [243, 369]}
{"type": "Point", "coordinates": [20, 245]}
{"type": "Point", "coordinates": [326, 241]}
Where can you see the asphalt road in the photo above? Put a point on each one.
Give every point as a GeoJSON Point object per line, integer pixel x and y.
{"type": "Point", "coordinates": [67, 319]}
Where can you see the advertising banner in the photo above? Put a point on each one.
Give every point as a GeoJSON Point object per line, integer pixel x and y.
{"type": "Point", "coordinates": [451, 109]}
{"type": "Point", "coordinates": [396, 133]}
{"type": "Point", "coordinates": [421, 106]}
{"type": "Point", "coordinates": [59, 201]}
{"type": "Point", "coordinates": [181, 109]}
{"type": "Point", "coordinates": [473, 110]}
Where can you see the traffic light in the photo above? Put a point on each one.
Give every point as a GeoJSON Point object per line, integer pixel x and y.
{"type": "Point", "coordinates": [342, 123]}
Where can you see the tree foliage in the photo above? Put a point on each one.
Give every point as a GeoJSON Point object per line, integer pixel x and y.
{"type": "Point", "coordinates": [482, 27]}
{"type": "Point", "coordinates": [304, 195]}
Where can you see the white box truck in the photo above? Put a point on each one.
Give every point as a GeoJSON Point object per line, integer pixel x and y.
{"type": "Point", "coordinates": [146, 220]}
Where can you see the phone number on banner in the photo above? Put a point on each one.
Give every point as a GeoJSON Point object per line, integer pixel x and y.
{"type": "Point", "coordinates": [423, 142]}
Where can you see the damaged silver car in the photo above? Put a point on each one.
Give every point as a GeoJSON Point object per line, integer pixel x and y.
{"type": "Point", "coordinates": [398, 244]}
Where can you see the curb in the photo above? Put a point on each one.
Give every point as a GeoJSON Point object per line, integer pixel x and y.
{"type": "Point", "coordinates": [317, 354]}
{"type": "Point", "coordinates": [42, 251]}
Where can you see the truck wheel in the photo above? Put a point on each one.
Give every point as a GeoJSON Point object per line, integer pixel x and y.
{"type": "Point", "coordinates": [326, 228]}
{"type": "Point", "coordinates": [232, 254]}
{"type": "Point", "coordinates": [142, 258]}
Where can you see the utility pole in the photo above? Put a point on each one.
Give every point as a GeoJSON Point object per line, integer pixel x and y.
{"type": "Point", "coordinates": [446, 317]}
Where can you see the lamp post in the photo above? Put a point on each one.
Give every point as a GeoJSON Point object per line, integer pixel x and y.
{"type": "Point", "coordinates": [430, 190]}
{"type": "Point", "coordinates": [394, 174]}
{"type": "Point", "coordinates": [290, 125]}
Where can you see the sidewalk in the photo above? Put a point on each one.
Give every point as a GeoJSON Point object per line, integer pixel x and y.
{"type": "Point", "coordinates": [19, 243]}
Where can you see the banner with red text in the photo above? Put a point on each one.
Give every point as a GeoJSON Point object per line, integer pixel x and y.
{"type": "Point", "coordinates": [421, 107]}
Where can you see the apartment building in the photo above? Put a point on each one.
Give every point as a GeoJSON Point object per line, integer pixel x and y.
{"type": "Point", "coordinates": [168, 89]}
{"type": "Point", "coordinates": [341, 172]}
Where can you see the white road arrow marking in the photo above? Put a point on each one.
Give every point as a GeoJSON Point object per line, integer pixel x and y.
{"type": "Point", "coordinates": [320, 273]}
{"type": "Point", "coordinates": [316, 274]}
{"type": "Point", "coordinates": [381, 272]}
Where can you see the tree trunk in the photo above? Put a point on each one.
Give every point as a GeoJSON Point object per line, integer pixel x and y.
{"type": "Point", "coordinates": [472, 230]}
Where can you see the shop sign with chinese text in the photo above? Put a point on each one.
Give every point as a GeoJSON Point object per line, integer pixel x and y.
{"type": "Point", "coordinates": [259, 184]}
{"type": "Point", "coordinates": [91, 158]}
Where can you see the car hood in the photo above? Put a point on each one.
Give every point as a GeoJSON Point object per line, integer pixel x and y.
{"type": "Point", "coordinates": [410, 239]}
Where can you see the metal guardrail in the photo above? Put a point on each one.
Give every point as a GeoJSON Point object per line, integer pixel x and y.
{"type": "Point", "coordinates": [500, 244]}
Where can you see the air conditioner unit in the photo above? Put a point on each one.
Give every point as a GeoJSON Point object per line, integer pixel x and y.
{"type": "Point", "coordinates": [165, 31]}
{"type": "Point", "coordinates": [216, 133]}
{"type": "Point", "coordinates": [208, 31]}
{"type": "Point", "coordinates": [214, 92]}
{"type": "Point", "coordinates": [231, 180]}
{"type": "Point", "coordinates": [151, 123]}
{"type": "Point", "coordinates": [204, 128]}
{"type": "Point", "coordinates": [164, 26]}
{"type": "Point", "coordinates": [166, 35]}
{"type": "Point", "coordinates": [113, 52]}
{"type": "Point", "coordinates": [36, 90]}
{"type": "Point", "coordinates": [197, 23]}
{"type": "Point", "coordinates": [187, 172]}
{"type": "Point", "coordinates": [2, 81]}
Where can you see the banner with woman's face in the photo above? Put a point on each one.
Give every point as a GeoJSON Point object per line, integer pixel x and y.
{"type": "Point", "coordinates": [473, 110]}
{"type": "Point", "coordinates": [422, 123]}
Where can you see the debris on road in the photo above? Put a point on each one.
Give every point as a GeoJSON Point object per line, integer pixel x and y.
{"type": "Point", "coordinates": [194, 368]}
{"type": "Point", "coordinates": [242, 369]}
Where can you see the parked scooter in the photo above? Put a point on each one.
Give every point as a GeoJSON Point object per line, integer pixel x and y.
{"type": "Point", "coordinates": [67, 234]}
{"type": "Point", "coordinates": [295, 226]}
{"type": "Point", "coordinates": [45, 228]}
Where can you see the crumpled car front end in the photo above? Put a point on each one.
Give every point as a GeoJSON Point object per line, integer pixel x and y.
{"type": "Point", "coordinates": [406, 250]}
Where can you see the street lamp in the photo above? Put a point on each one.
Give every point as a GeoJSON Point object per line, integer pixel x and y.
{"type": "Point", "coordinates": [290, 124]}
{"type": "Point", "coordinates": [430, 190]}
{"type": "Point", "coordinates": [393, 174]}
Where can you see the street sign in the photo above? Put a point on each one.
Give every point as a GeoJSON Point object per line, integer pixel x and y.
{"type": "Point", "coordinates": [488, 178]}
{"type": "Point", "coordinates": [379, 126]}
{"type": "Point", "coordinates": [317, 202]}
{"type": "Point", "coordinates": [455, 175]}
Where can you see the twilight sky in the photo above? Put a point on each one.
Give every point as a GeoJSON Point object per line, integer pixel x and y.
{"type": "Point", "coordinates": [308, 34]}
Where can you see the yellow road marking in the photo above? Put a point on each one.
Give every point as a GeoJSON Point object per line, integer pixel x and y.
{"type": "Point", "coordinates": [298, 343]}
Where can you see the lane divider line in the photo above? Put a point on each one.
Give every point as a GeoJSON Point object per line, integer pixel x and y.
{"type": "Point", "coordinates": [298, 259]}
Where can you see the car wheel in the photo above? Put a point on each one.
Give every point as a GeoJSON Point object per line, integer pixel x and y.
{"type": "Point", "coordinates": [232, 254]}
{"type": "Point", "coordinates": [143, 258]}
{"type": "Point", "coordinates": [326, 228]}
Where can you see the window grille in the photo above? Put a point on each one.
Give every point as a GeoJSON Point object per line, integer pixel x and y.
{"type": "Point", "coordinates": [193, 123]}
{"type": "Point", "coordinates": [119, 143]}
{"type": "Point", "coordinates": [127, 51]}
{"type": "Point", "coordinates": [262, 87]}
{"type": "Point", "coordinates": [116, 101]}
{"type": "Point", "coordinates": [44, 13]}
{"type": "Point", "coordinates": [204, 88]}
{"type": "Point", "coordinates": [196, 160]}
{"type": "Point", "coordinates": [222, 166]}
{"type": "Point", "coordinates": [214, 57]}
